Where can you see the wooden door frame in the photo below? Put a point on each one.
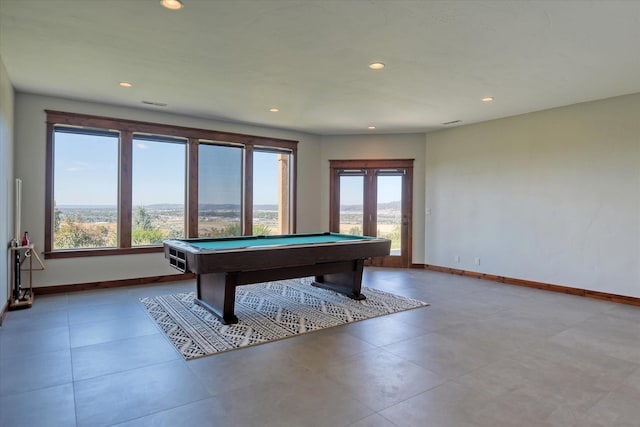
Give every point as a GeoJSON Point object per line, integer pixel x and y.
{"type": "Point", "coordinates": [369, 167]}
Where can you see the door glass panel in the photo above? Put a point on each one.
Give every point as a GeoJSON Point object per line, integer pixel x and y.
{"type": "Point", "coordinates": [389, 211]}
{"type": "Point", "coordinates": [352, 205]}
{"type": "Point", "coordinates": [219, 190]}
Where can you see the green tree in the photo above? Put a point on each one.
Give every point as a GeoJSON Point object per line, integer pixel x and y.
{"type": "Point", "coordinates": [143, 231]}
{"type": "Point", "coordinates": [174, 234]}
{"type": "Point", "coordinates": [231, 230]}
{"type": "Point", "coordinates": [394, 235]}
{"type": "Point", "coordinates": [261, 229]}
{"type": "Point", "coordinates": [235, 230]}
{"type": "Point", "coordinates": [57, 218]}
{"type": "Point", "coordinates": [141, 236]}
{"type": "Point", "coordinates": [355, 231]}
{"type": "Point", "coordinates": [73, 234]}
{"type": "Point", "coordinates": [142, 219]}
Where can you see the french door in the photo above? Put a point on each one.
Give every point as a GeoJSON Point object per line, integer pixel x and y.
{"type": "Point", "coordinates": [374, 198]}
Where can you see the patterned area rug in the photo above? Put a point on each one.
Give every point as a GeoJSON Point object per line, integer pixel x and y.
{"type": "Point", "coordinates": [266, 312]}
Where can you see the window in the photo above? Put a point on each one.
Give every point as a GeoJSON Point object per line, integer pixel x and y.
{"type": "Point", "coordinates": [86, 184]}
{"type": "Point", "coordinates": [389, 208]}
{"type": "Point", "coordinates": [351, 204]}
{"type": "Point", "coordinates": [271, 176]}
{"type": "Point", "coordinates": [219, 190]}
{"type": "Point", "coordinates": [121, 186]}
{"type": "Point", "coordinates": [158, 189]}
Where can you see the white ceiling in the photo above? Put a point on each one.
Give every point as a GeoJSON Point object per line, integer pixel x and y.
{"type": "Point", "coordinates": [233, 60]}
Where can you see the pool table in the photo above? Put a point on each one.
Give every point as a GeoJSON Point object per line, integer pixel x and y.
{"type": "Point", "coordinates": [221, 264]}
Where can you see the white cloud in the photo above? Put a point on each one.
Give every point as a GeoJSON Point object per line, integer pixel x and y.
{"type": "Point", "coordinates": [78, 167]}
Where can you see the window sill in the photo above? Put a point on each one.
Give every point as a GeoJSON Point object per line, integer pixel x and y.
{"type": "Point", "coordinates": [81, 253]}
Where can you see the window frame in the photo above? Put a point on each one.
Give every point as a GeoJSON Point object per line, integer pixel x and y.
{"type": "Point", "coordinates": [184, 143]}
{"type": "Point", "coordinates": [195, 232]}
{"type": "Point", "coordinates": [127, 128]}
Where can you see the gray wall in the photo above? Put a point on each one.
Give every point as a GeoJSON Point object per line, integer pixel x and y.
{"type": "Point", "coordinates": [6, 181]}
{"type": "Point", "coordinates": [551, 196]}
{"type": "Point", "coordinates": [30, 136]}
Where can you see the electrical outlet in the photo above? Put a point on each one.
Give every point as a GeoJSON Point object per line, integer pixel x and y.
{"type": "Point", "coordinates": [477, 261]}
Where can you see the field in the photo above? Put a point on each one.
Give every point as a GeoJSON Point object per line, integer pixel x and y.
{"type": "Point", "coordinates": [95, 226]}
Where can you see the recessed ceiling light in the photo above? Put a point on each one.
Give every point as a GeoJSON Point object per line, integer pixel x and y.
{"type": "Point", "coordinates": [125, 84]}
{"type": "Point", "coordinates": [487, 99]}
{"type": "Point", "coordinates": [371, 127]}
{"type": "Point", "coordinates": [172, 4]}
{"type": "Point", "coordinates": [376, 65]}
{"type": "Point", "coordinates": [274, 109]}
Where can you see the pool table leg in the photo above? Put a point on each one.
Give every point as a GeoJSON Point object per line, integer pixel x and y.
{"type": "Point", "coordinates": [347, 282]}
{"type": "Point", "coordinates": [217, 293]}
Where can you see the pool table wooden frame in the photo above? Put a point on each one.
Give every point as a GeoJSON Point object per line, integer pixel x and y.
{"type": "Point", "coordinates": [336, 265]}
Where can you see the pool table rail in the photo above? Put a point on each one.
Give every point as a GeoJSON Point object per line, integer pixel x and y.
{"type": "Point", "coordinates": [185, 257]}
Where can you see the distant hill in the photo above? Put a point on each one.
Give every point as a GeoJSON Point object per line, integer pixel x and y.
{"type": "Point", "coordinates": [86, 206]}
{"type": "Point", "coordinates": [170, 206]}
{"type": "Point", "coordinates": [391, 205]}
{"type": "Point", "coordinates": [358, 208]}
{"type": "Point", "coordinates": [234, 207]}
{"type": "Point", "coordinates": [221, 207]}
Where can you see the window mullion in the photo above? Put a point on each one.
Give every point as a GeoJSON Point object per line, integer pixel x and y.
{"type": "Point", "coordinates": [125, 189]}
{"type": "Point", "coordinates": [247, 201]}
{"type": "Point", "coordinates": [192, 188]}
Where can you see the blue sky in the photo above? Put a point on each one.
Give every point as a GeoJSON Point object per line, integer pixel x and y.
{"type": "Point", "coordinates": [351, 189]}
{"type": "Point", "coordinates": [87, 173]}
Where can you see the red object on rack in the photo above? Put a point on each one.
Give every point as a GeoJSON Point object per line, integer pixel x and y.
{"type": "Point", "coordinates": [25, 239]}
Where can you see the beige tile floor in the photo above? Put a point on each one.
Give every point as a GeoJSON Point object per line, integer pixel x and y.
{"type": "Point", "coordinates": [483, 354]}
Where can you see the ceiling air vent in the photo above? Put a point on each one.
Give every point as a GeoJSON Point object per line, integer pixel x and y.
{"type": "Point", "coordinates": [453, 122]}
{"type": "Point", "coordinates": [157, 104]}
